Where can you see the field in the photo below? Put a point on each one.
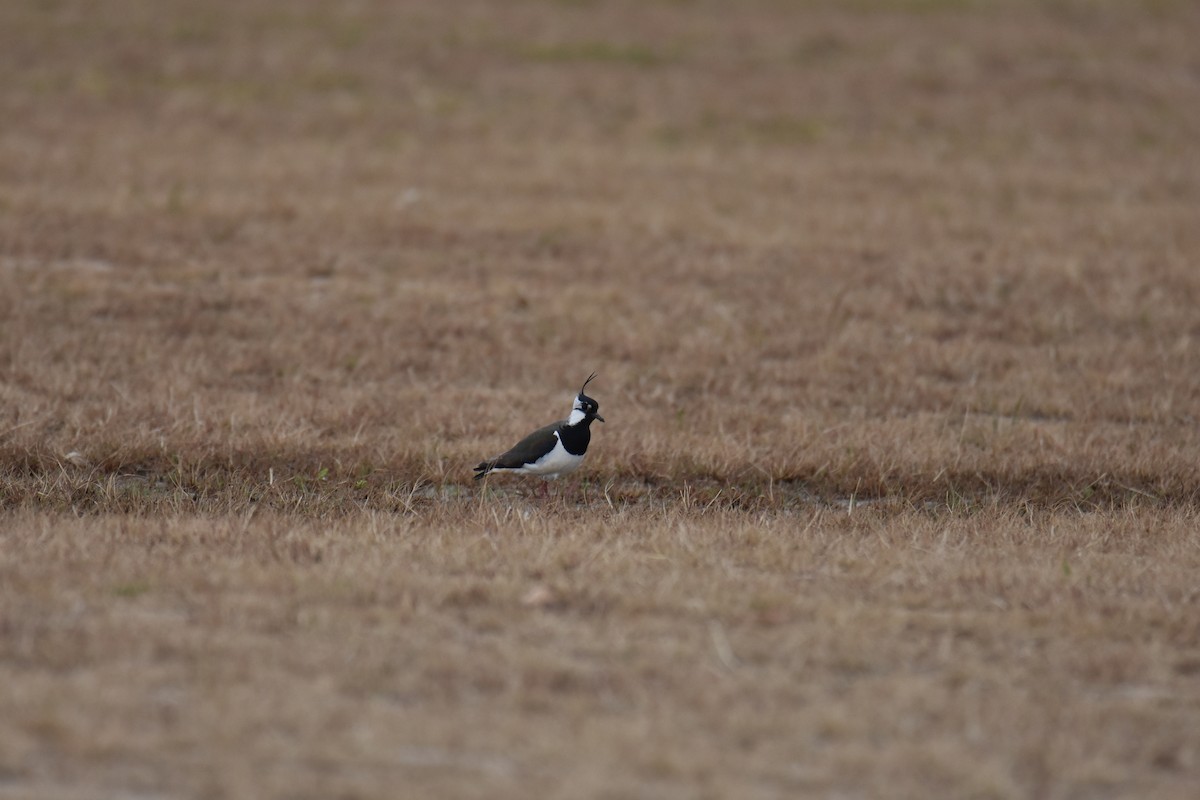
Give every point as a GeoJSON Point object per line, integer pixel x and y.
{"type": "Point", "coordinates": [894, 305]}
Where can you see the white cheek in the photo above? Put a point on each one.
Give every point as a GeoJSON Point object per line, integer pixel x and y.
{"type": "Point", "coordinates": [576, 417]}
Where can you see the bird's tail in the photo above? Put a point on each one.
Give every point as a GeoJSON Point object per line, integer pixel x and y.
{"type": "Point", "coordinates": [484, 468]}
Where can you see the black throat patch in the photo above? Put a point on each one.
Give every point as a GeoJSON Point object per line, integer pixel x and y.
{"type": "Point", "coordinates": [575, 438]}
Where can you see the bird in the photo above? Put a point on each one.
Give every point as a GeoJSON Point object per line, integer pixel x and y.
{"type": "Point", "coordinates": [554, 450]}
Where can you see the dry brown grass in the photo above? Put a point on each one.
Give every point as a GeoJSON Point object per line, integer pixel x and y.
{"type": "Point", "coordinates": [894, 310]}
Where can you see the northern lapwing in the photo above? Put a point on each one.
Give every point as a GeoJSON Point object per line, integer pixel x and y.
{"type": "Point", "coordinates": [554, 450]}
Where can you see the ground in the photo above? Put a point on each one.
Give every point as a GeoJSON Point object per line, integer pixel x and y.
{"type": "Point", "coordinates": [893, 305]}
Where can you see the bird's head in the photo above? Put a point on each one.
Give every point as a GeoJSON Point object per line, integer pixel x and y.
{"type": "Point", "coordinates": [584, 408]}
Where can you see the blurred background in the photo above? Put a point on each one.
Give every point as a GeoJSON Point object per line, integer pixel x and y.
{"type": "Point", "coordinates": [819, 230]}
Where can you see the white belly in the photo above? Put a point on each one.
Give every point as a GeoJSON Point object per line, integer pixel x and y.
{"type": "Point", "coordinates": [557, 462]}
